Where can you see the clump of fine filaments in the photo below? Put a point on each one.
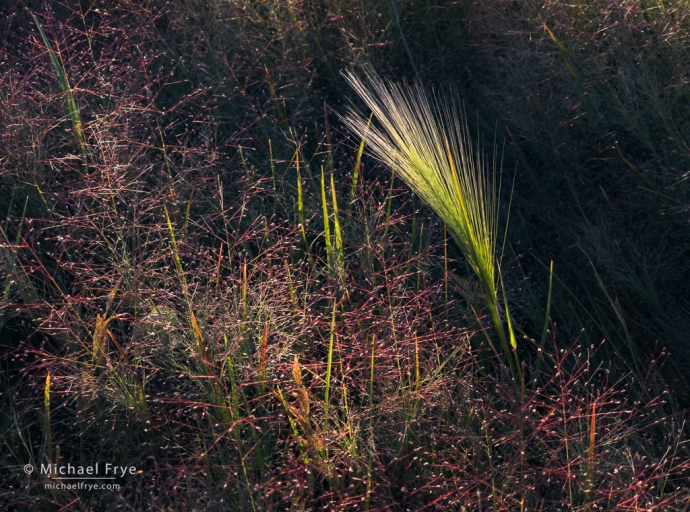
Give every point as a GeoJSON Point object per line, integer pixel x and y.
{"type": "Point", "coordinates": [426, 142]}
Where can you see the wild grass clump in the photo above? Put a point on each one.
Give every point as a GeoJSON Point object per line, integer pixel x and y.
{"type": "Point", "coordinates": [205, 279]}
{"type": "Point", "coordinates": [428, 145]}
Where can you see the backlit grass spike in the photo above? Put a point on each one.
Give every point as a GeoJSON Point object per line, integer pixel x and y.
{"type": "Point", "coordinates": [426, 142]}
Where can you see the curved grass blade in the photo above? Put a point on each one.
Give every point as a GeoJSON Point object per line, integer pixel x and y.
{"type": "Point", "coordinates": [66, 89]}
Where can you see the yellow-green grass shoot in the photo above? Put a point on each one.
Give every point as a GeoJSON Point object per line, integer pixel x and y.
{"type": "Point", "coordinates": [326, 224]}
{"type": "Point", "coordinates": [300, 209]}
{"type": "Point", "coordinates": [567, 57]}
{"type": "Point", "coordinates": [426, 142]}
{"type": "Point", "coordinates": [329, 365]}
{"type": "Point", "coordinates": [66, 88]}
{"type": "Point", "coordinates": [358, 163]}
{"type": "Point", "coordinates": [339, 254]}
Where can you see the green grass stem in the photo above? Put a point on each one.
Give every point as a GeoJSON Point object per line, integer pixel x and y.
{"type": "Point", "coordinates": [339, 254]}
{"type": "Point", "coordinates": [358, 163]}
{"type": "Point", "coordinates": [326, 222]}
{"type": "Point", "coordinates": [329, 365]}
{"type": "Point", "coordinates": [61, 73]}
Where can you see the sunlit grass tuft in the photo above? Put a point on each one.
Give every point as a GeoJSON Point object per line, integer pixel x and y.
{"type": "Point", "coordinates": [427, 143]}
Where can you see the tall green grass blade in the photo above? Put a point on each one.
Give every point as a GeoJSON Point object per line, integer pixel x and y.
{"type": "Point", "coordinates": [358, 162]}
{"type": "Point", "coordinates": [329, 365]}
{"type": "Point", "coordinates": [346, 404]}
{"type": "Point", "coordinates": [339, 254]}
{"type": "Point", "coordinates": [326, 223]}
{"type": "Point", "coordinates": [300, 203]}
{"type": "Point", "coordinates": [293, 425]}
{"type": "Point", "coordinates": [291, 286]}
{"type": "Point", "coordinates": [273, 170]}
{"type": "Point", "coordinates": [300, 209]}
{"type": "Point", "coordinates": [176, 254]}
{"type": "Point", "coordinates": [509, 322]}
{"type": "Point", "coordinates": [567, 58]}
{"type": "Point", "coordinates": [513, 343]}
{"type": "Point", "coordinates": [72, 106]}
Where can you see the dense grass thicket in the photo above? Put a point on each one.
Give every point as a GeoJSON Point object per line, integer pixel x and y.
{"type": "Point", "coordinates": [205, 273]}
